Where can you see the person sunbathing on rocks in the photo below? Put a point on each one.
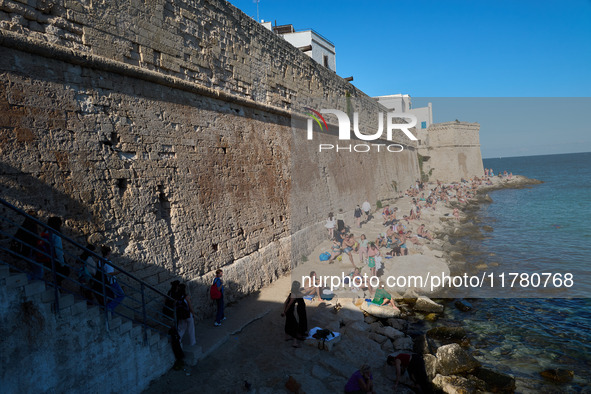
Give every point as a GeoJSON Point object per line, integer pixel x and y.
{"type": "Point", "coordinates": [387, 214]}
{"type": "Point", "coordinates": [335, 251]}
{"type": "Point", "coordinates": [400, 228]}
{"type": "Point", "coordinates": [423, 233]}
{"type": "Point", "coordinates": [357, 281]}
{"type": "Point", "coordinates": [460, 197]}
{"type": "Point", "coordinates": [402, 244]}
{"type": "Point", "coordinates": [412, 238]}
{"type": "Point", "coordinates": [391, 231]}
{"type": "Point", "coordinates": [381, 241]}
{"type": "Point", "coordinates": [313, 289]}
{"type": "Point", "coordinates": [393, 215]}
{"type": "Point", "coordinates": [382, 297]}
{"type": "Point", "coordinates": [395, 251]}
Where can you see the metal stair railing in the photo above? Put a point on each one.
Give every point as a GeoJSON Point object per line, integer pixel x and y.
{"type": "Point", "coordinates": [23, 250]}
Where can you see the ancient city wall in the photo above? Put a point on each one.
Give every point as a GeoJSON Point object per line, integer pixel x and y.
{"type": "Point", "coordinates": [163, 128]}
{"type": "Point", "coordinates": [451, 151]}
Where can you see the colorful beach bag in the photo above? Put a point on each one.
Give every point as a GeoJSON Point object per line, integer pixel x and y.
{"type": "Point", "coordinates": [324, 256]}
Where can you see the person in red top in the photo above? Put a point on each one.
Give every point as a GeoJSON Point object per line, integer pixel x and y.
{"type": "Point", "coordinates": [387, 214]}
{"type": "Point", "coordinates": [415, 365]}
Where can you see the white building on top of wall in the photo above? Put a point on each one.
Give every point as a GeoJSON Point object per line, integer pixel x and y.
{"type": "Point", "coordinates": [403, 103]}
{"type": "Point", "coordinates": [309, 42]}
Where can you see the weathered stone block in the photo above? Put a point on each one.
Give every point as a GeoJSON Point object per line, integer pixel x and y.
{"type": "Point", "coordinates": [452, 359]}
{"type": "Point", "coordinates": [16, 280]}
{"type": "Point", "coordinates": [424, 304]}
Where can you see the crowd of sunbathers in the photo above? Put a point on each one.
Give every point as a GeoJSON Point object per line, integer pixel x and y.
{"type": "Point", "coordinates": [488, 172]}
{"type": "Point", "coordinates": [398, 236]}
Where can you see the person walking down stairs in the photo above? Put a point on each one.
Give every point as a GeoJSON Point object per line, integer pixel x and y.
{"type": "Point", "coordinates": [110, 280]}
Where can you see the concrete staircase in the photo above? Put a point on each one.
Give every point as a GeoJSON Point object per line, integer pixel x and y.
{"type": "Point", "coordinates": [76, 325]}
{"type": "Point", "coordinates": [39, 293]}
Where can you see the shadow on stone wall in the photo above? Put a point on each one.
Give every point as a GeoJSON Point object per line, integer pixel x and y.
{"type": "Point", "coordinates": [27, 192]}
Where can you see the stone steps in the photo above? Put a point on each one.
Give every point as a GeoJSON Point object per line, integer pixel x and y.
{"type": "Point", "coordinates": [75, 308]}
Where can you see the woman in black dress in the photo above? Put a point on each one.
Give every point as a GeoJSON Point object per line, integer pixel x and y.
{"type": "Point", "coordinates": [295, 328]}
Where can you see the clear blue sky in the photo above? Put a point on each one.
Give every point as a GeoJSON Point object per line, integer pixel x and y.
{"type": "Point", "coordinates": [450, 48]}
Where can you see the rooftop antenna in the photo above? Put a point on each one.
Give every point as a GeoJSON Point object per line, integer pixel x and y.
{"type": "Point", "coordinates": [257, 2]}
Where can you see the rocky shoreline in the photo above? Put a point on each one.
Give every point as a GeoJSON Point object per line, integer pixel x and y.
{"type": "Point", "coordinates": [417, 325]}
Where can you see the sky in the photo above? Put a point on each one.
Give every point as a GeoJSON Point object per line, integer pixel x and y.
{"type": "Point", "coordinates": [464, 49]}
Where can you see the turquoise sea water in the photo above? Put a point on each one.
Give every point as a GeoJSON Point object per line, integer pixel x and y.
{"type": "Point", "coordinates": [545, 228]}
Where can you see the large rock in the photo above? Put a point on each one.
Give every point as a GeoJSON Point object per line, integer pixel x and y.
{"type": "Point", "coordinates": [495, 381]}
{"type": "Point", "coordinates": [359, 349]}
{"type": "Point", "coordinates": [404, 343]}
{"type": "Point", "coordinates": [399, 324]}
{"type": "Point", "coordinates": [456, 256]}
{"type": "Point", "coordinates": [369, 319]}
{"type": "Point", "coordinates": [558, 375]}
{"type": "Point", "coordinates": [349, 315]}
{"type": "Point", "coordinates": [357, 325]}
{"type": "Point", "coordinates": [381, 339]}
{"type": "Point", "coordinates": [430, 365]}
{"type": "Point", "coordinates": [423, 345]}
{"type": "Point", "coordinates": [458, 385]}
{"type": "Point", "coordinates": [383, 312]}
{"type": "Point", "coordinates": [424, 304]}
{"type": "Point", "coordinates": [452, 359]}
{"type": "Point", "coordinates": [463, 305]}
{"type": "Point", "coordinates": [388, 347]}
{"type": "Point", "coordinates": [410, 296]}
{"type": "Point", "coordinates": [447, 333]}
{"type": "Point", "coordinates": [390, 332]}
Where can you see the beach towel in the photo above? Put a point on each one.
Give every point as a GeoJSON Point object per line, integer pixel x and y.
{"type": "Point", "coordinates": [329, 337]}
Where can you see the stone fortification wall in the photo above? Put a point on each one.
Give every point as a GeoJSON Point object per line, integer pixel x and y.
{"type": "Point", "coordinates": [163, 129]}
{"type": "Point", "coordinates": [210, 43]}
{"type": "Point", "coordinates": [451, 151]}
